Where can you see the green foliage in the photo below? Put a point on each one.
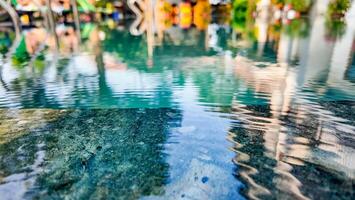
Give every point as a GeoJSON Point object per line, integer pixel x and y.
{"type": "Point", "coordinates": [335, 17]}
{"type": "Point", "coordinates": [278, 2]}
{"type": "Point", "coordinates": [338, 7]}
{"type": "Point", "coordinates": [300, 5]}
{"type": "Point", "coordinates": [335, 27]}
{"type": "Point", "coordinates": [21, 56]}
{"type": "Point", "coordinates": [297, 28]}
{"type": "Point", "coordinates": [5, 41]}
{"type": "Point", "coordinates": [39, 63]}
{"type": "Point", "coordinates": [102, 3]}
{"type": "Point", "coordinates": [242, 20]}
{"type": "Point", "coordinates": [240, 8]}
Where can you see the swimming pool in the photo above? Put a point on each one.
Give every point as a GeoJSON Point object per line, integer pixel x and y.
{"type": "Point", "coordinates": [195, 114]}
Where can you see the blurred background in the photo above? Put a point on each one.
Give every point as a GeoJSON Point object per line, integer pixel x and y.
{"type": "Point", "coordinates": [53, 23]}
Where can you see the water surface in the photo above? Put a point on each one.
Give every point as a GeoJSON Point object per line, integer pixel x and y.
{"type": "Point", "coordinates": [197, 114]}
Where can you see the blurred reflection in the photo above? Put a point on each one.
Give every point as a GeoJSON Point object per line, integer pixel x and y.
{"type": "Point", "coordinates": [295, 130]}
{"type": "Point", "coordinates": [296, 127]}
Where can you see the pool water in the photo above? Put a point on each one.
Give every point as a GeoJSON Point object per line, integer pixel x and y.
{"type": "Point", "coordinates": [194, 115]}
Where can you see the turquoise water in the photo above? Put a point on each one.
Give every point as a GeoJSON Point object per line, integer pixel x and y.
{"type": "Point", "coordinates": [194, 115]}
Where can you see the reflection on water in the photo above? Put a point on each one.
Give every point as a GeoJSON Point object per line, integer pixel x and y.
{"type": "Point", "coordinates": [262, 110]}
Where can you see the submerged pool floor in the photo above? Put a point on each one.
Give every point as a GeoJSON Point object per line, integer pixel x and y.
{"type": "Point", "coordinates": [80, 154]}
{"type": "Point", "coordinates": [156, 153]}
